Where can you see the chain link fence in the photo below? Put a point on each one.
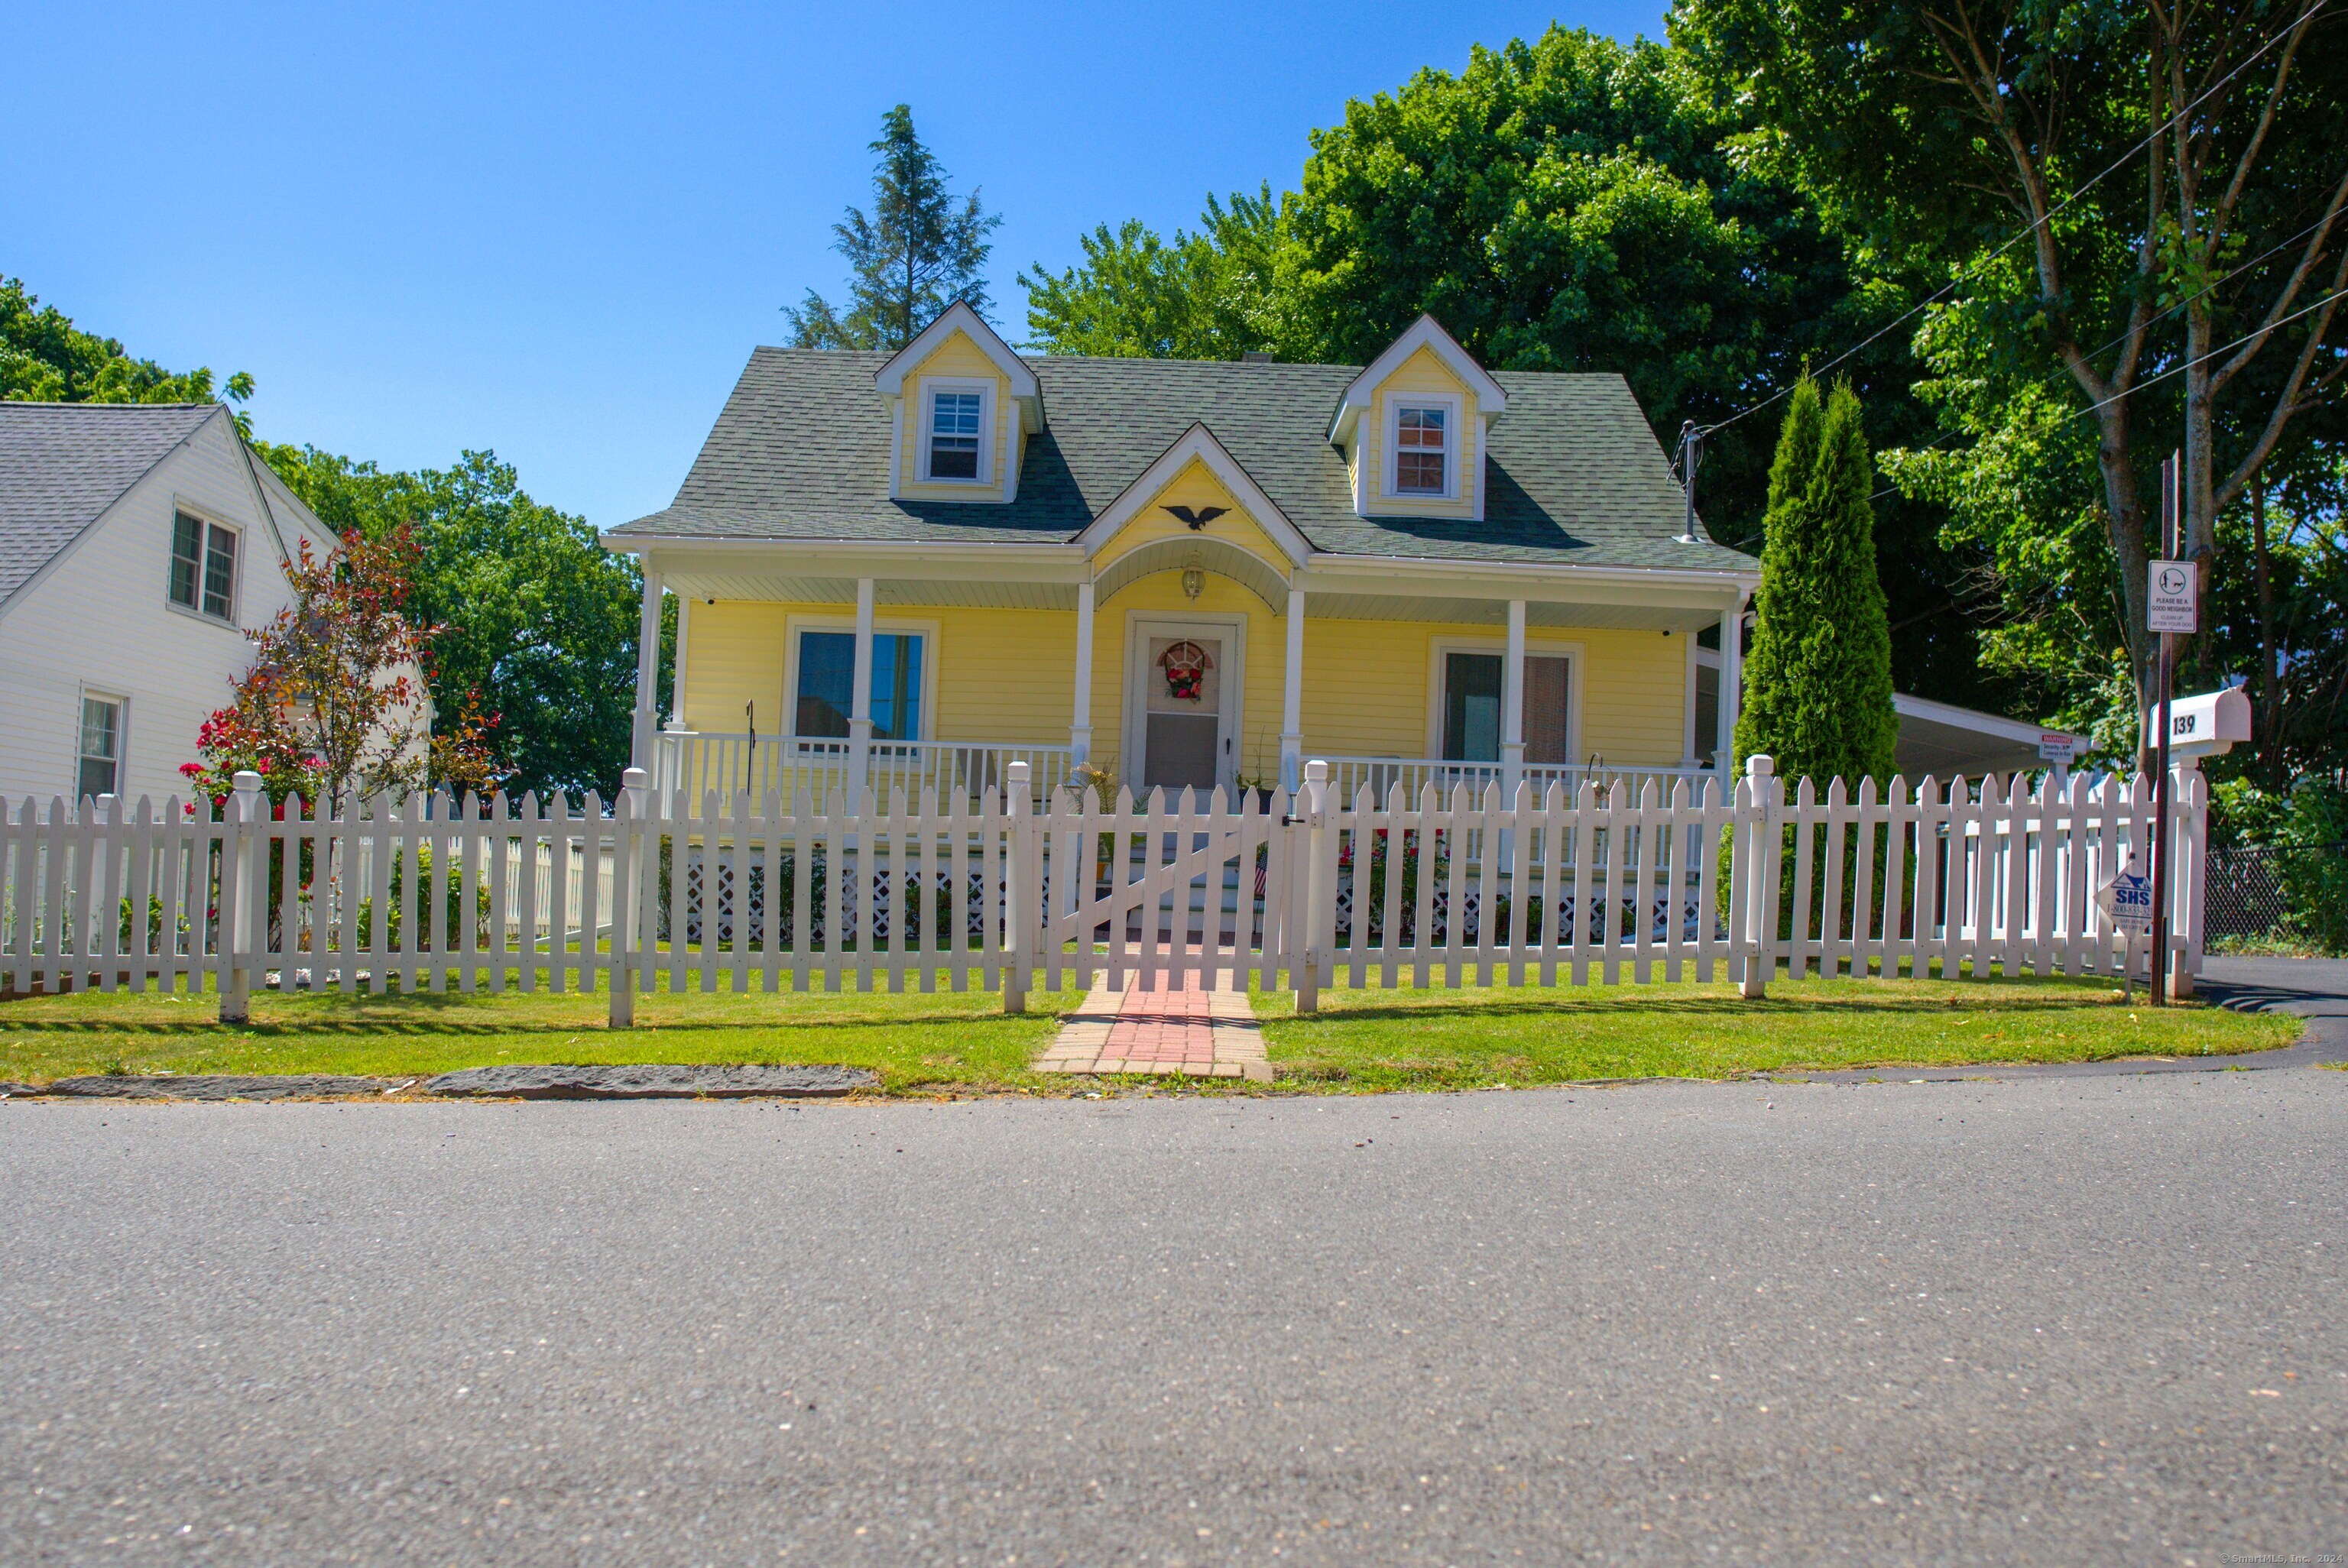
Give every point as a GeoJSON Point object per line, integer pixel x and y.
{"type": "Point", "coordinates": [2280, 891]}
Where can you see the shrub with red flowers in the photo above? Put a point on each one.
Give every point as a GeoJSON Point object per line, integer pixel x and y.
{"type": "Point", "coordinates": [334, 707]}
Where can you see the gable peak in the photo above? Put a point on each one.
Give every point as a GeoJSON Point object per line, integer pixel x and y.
{"type": "Point", "coordinates": [1427, 333]}
{"type": "Point", "coordinates": [957, 317]}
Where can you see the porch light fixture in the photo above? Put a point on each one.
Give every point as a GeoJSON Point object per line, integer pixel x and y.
{"type": "Point", "coordinates": [1194, 577]}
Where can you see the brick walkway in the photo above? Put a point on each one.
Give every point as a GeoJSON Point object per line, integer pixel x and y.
{"type": "Point", "coordinates": [1201, 1033]}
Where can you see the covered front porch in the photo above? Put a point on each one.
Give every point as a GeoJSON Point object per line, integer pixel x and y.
{"type": "Point", "coordinates": [1187, 662]}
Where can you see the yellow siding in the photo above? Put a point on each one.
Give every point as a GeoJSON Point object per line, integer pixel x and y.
{"type": "Point", "coordinates": [960, 359]}
{"type": "Point", "coordinates": [1634, 696]}
{"type": "Point", "coordinates": [1007, 675]}
{"type": "Point", "coordinates": [1366, 688]}
{"type": "Point", "coordinates": [1197, 488]}
{"type": "Point", "coordinates": [1423, 372]}
{"type": "Point", "coordinates": [734, 654]}
{"type": "Point", "coordinates": [1160, 596]}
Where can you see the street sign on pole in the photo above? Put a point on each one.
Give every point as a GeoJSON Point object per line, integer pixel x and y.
{"type": "Point", "coordinates": [2169, 610]}
{"type": "Point", "coordinates": [2172, 603]}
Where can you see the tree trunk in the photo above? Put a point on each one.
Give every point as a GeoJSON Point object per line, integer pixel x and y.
{"type": "Point", "coordinates": [2123, 524]}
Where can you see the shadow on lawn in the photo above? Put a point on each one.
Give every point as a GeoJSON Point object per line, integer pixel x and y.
{"type": "Point", "coordinates": [402, 1017]}
{"type": "Point", "coordinates": [1651, 1003]}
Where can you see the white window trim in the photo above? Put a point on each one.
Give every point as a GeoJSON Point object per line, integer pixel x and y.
{"type": "Point", "coordinates": [927, 631]}
{"type": "Point", "coordinates": [205, 515]}
{"type": "Point", "coordinates": [1542, 647]}
{"type": "Point", "coordinates": [82, 694]}
{"type": "Point", "coordinates": [987, 434]}
{"type": "Point", "coordinates": [1453, 443]}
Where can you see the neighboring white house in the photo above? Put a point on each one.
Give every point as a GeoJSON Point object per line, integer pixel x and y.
{"type": "Point", "coordinates": [136, 544]}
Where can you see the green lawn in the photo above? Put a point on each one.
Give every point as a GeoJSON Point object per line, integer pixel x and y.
{"type": "Point", "coordinates": [1429, 1039]}
{"type": "Point", "coordinates": [945, 1042]}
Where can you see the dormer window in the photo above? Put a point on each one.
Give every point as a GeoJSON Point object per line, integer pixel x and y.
{"type": "Point", "coordinates": [952, 435]}
{"type": "Point", "coordinates": [1424, 433]}
{"type": "Point", "coordinates": [1419, 450]}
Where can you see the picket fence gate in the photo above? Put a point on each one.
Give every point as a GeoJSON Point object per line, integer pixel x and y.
{"type": "Point", "coordinates": [1446, 888]}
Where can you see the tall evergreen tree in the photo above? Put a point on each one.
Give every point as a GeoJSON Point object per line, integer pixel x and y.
{"type": "Point", "coordinates": [918, 250]}
{"type": "Point", "coordinates": [1817, 682]}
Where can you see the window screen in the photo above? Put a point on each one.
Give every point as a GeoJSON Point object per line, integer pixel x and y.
{"type": "Point", "coordinates": [204, 566]}
{"type": "Point", "coordinates": [828, 685]}
{"type": "Point", "coordinates": [1471, 707]}
{"type": "Point", "coordinates": [101, 746]}
{"type": "Point", "coordinates": [1418, 451]}
{"type": "Point", "coordinates": [1548, 720]}
{"type": "Point", "coordinates": [953, 435]}
{"type": "Point", "coordinates": [187, 557]}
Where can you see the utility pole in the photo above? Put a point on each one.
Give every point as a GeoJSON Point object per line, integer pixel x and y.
{"type": "Point", "coordinates": [2172, 546]}
{"type": "Point", "coordinates": [1691, 454]}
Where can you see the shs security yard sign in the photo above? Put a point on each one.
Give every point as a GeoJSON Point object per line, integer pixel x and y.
{"type": "Point", "coordinates": [2172, 600]}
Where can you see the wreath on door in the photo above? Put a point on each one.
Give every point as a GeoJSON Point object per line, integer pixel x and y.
{"type": "Point", "coordinates": [1186, 665]}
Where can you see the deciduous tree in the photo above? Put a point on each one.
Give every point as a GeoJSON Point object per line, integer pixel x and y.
{"type": "Point", "coordinates": [2145, 201]}
{"type": "Point", "coordinates": [44, 358]}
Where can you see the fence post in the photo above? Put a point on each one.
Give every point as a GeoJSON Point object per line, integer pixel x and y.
{"type": "Point", "coordinates": [1757, 861]}
{"type": "Point", "coordinates": [1318, 890]}
{"type": "Point", "coordinates": [235, 982]}
{"type": "Point", "coordinates": [2189, 855]}
{"type": "Point", "coordinates": [1018, 895]}
{"type": "Point", "coordinates": [627, 896]}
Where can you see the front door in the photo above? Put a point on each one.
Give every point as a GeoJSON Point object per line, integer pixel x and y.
{"type": "Point", "coordinates": [1184, 698]}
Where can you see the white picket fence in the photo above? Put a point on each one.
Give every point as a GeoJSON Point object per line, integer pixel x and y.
{"type": "Point", "coordinates": [1441, 887]}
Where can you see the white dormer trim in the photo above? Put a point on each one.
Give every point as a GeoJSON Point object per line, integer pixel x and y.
{"type": "Point", "coordinates": [890, 379]}
{"type": "Point", "coordinates": [925, 432]}
{"type": "Point", "coordinates": [1196, 444]}
{"type": "Point", "coordinates": [1425, 332]}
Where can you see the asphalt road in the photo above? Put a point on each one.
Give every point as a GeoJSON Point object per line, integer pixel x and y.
{"type": "Point", "coordinates": [2050, 1318]}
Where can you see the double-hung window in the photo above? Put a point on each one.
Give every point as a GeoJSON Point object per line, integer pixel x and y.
{"type": "Point", "coordinates": [1471, 708]}
{"type": "Point", "coordinates": [827, 685]}
{"type": "Point", "coordinates": [953, 434]}
{"type": "Point", "coordinates": [1422, 449]}
{"type": "Point", "coordinates": [203, 567]}
{"type": "Point", "coordinates": [101, 747]}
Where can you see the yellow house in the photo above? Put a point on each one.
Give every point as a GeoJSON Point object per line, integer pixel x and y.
{"type": "Point", "coordinates": [913, 569]}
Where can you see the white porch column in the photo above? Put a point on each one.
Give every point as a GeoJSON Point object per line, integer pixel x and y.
{"type": "Point", "coordinates": [1512, 705]}
{"type": "Point", "coordinates": [1080, 727]}
{"type": "Point", "coordinates": [1292, 698]}
{"type": "Point", "coordinates": [648, 635]}
{"type": "Point", "coordinates": [1731, 686]}
{"type": "Point", "coordinates": [860, 699]}
{"type": "Point", "coordinates": [683, 646]}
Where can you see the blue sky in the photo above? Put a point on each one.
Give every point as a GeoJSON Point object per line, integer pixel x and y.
{"type": "Point", "coordinates": [557, 232]}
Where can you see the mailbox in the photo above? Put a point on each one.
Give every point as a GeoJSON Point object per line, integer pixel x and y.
{"type": "Point", "coordinates": [2208, 724]}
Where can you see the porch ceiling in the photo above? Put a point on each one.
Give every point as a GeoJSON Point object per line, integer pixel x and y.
{"type": "Point", "coordinates": [1495, 612]}
{"type": "Point", "coordinates": [950, 593]}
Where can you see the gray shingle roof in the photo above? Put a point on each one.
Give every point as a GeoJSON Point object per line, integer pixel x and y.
{"type": "Point", "coordinates": [62, 464]}
{"type": "Point", "coordinates": [801, 451]}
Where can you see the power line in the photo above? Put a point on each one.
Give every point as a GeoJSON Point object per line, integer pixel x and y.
{"type": "Point", "coordinates": [2060, 373]}
{"type": "Point", "coordinates": [2178, 369]}
{"type": "Point", "coordinates": [2053, 212]}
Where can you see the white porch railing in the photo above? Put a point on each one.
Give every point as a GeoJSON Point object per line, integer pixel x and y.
{"type": "Point", "coordinates": [699, 761]}
{"type": "Point", "coordinates": [1348, 776]}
